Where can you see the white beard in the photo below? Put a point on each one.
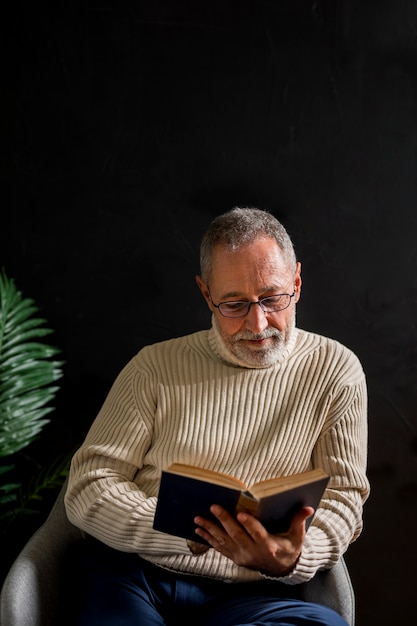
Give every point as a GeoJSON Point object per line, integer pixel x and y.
{"type": "Point", "coordinates": [261, 357]}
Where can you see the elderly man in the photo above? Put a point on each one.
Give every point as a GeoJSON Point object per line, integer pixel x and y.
{"type": "Point", "coordinates": [253, 396]}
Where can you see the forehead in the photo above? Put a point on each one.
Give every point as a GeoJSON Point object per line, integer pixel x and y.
{"type": "Point", "coordinates": [251, 269]}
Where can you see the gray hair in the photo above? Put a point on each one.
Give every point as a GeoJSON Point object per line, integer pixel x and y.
{"type": "Point", "coordinates": [239, 227]}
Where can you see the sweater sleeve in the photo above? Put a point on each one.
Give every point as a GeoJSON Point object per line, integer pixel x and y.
{"type": "Point", "coordinates": [105, 497]}
{"type": "Point", "coordinates": [342, 452]}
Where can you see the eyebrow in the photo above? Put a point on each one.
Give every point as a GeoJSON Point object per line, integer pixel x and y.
{"type": "Point", "coordinates": [238, 295]}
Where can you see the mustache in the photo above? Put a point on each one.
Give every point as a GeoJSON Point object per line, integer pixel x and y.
{"type": "Point", "coordinates": [265, 334]}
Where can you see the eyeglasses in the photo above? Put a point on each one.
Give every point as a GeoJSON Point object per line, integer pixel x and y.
{"type": "Point", "coordinates": [240, 308]}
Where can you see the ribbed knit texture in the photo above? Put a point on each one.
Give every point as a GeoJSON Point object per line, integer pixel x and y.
{"type": "Point", "coordinates": [180, 400]}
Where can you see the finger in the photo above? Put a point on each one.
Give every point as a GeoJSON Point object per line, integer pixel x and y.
{"type": "Point", "coordinates": [218, 530]}
{"type": "Point", "coordinates": [232, 526]}
{"type": "Point", "coordinates": [252, 526]}
{"type": "Point", "coordinates": [210, 531]}
{"type": "Point", "coordinates": [258, 532]}
{"type": "Point", "coordinates": [301, 516]}
{"type": "Point", "coordinates": [216, 540]}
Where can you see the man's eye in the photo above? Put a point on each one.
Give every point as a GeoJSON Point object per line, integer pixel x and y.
{"type": "Point", "coordinates": [234, 306]}
{"type": "Point", "coordinates": [271, 301]}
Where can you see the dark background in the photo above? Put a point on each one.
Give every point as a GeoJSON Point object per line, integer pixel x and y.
{"type": "Point", "coordinates": [127, 126]}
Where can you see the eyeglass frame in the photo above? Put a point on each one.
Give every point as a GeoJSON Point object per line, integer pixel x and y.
{"type": "Point", "coordinates": [249, 304]}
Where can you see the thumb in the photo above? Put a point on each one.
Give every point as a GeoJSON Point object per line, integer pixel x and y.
{"type": "Point", "coordinates": [302, 516]}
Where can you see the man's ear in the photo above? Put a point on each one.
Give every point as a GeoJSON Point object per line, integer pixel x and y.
{"type": "Point", "coordinates": [204, 290]}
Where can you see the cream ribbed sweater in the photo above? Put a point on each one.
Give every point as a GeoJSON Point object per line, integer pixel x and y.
{"type": "Point", "coordinates": [181, 400]}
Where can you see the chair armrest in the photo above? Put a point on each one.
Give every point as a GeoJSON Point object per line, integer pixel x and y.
{"type": "Point", "coordinates": [31, 592]}
{"type": "Point", "coordinates": [332, 587]}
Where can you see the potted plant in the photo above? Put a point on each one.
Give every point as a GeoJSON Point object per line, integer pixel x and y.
{"type": "Point", "coordinates": [29, 371]}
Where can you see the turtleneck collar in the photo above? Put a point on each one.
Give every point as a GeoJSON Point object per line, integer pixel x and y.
{"type": "Point", "coordinates": [221, 350]}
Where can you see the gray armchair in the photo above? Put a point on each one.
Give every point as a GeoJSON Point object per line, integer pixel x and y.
{"type": "Point", "coordinates": [41, 586]}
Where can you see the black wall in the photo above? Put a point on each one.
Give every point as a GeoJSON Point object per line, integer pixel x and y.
{"type": "Point", "coordinates": [127, 126]}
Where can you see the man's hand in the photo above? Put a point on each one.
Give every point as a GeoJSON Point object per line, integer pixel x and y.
{"type": "Point", "coordinates": [246, 542]}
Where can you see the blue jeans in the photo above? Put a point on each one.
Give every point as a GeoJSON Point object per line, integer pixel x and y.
{"type": "Point", "coordinates": [124, 590]}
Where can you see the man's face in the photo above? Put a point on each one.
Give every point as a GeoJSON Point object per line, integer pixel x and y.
{"type": "Point", "coordinates": [253, 272]}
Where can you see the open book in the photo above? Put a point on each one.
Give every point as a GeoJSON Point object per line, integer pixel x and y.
{"type": "Point", "coordinates": [186, 491]}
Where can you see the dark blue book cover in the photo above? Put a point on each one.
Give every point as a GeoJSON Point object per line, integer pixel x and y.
{"type": "Point", "coordinates": [181, 498]}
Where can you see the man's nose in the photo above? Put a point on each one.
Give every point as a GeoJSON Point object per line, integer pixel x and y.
{"type": "Point", "coordinates": [256, 320]}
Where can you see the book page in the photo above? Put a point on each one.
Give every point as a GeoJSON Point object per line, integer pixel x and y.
{"type": "Point", "coordinates": [210, 476]}
{"type": "Point", "coordinates": [283, 483]}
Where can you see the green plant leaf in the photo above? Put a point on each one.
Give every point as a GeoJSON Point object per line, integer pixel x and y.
{"type": "Point", "coordinates": [28, 369]}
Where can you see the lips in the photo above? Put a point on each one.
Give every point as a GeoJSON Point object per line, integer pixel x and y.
{"type": "Point", "coordinates": [256, 342]}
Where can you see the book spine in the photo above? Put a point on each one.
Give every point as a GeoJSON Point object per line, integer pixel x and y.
{"type": "Point", "coordinates": [246, 503]}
